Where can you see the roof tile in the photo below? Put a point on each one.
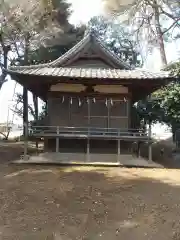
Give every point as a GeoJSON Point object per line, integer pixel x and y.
{"type": "Point", "coordinates": [74, 50]}
{"type": "Point", "coordinates": [91, 73]}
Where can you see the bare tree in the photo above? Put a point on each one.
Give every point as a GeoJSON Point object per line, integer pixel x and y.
{"type": "Point", "coordinates": [152, 20]}
{"type": "Point", "coordinates": [18, 107]}
{"type": "Point", "coordinates": [25, 25]}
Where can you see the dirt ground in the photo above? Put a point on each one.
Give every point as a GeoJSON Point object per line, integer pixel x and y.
{"type": "Point", "coordinates": [88, 203]}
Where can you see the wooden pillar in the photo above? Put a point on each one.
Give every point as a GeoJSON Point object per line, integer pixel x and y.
{"type": "Point", "coordinates": [35, 101]}
{"type": "Point", "coordinates": [108, 123]}
{"type": "Point", "coordinates": [25, 120]}
{"type": "Point", "coordinates": [46, 140]}
{"type": "Point", "coordinates": [57, 140]}
{"type": "Point", "coordinates": [46, 108]}
{"type": "Point", "coordinates": [129, 112]}
{"type": "Point", "coordinates": [138, 149]}
{"type": "Point", "coordinates": [119, 149]}
{"type": "Point", "coordinates": [149, 142]}
{"type": "Point", "coordinates": [88, 150]}
{"type": "Point", "coordinates": [118, 146]}
{"type": "Point", "coordinates": [69, 106]}
{"type": "Point", "coordinates": [89, 111]}
{"type": "Point", "coordinates": [150, 151]}
{"type": "Point", "coordinates": [88, 138]}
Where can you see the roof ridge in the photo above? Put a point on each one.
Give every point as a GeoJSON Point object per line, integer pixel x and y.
{"type": "Point", "coordinates": [89, 35]}
{"type": "Point", "coordinates": [115, 56]}
{"type": "Point", "coordinates": [50, 64]}
{"type": "Point", "coordinates": [75, 47]}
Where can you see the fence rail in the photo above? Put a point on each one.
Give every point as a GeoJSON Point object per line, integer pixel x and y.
{"type": "Point", "coordinates": [87, 132]}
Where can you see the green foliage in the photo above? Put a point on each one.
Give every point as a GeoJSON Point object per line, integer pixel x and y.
{"type": "Point", "coordinates": [174, 69]}
{"type": "Point", "coordinates": [45, 54]}
{"type": "Point", "coordinates": [118, 38]}
{"type": "Point", "coordinates": [28, 26]}
{"type": "Point", "coordinates": [41, 117]}
{"type": "Point", "coordinates": [164, 105]}
{"type": "Point", "coordinates": [149, 111]}
{"type": "Point", "coordinates": [170, 103]}
{"type": "Point", "coordinates": [29, 33]}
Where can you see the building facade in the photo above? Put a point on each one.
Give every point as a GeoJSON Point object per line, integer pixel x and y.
{"type": "Point", "coordinates": [89, 93]}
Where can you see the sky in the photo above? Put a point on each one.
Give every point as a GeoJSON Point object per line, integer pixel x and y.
{"type": "Point", "coordinates": [83, 11]}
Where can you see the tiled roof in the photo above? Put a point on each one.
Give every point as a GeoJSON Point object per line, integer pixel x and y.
{"type": "Point", "coordinates": [77, 48]}
{"type": "Point", "coordinates": [95, 73]}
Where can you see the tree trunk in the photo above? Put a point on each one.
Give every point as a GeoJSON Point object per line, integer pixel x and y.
{"type": "Point", "coordinates": [35, 101]}
{"type": "Point", "coordinates": [8, 132]}
{"type": "Point", "coordinates": [5, 51]}
{"type": "Point", "coordinates": [174, 128]}
{"type": "Point", "coordinates": [159, 32]}
{"type": "Point", "coordinates": [25, 91]}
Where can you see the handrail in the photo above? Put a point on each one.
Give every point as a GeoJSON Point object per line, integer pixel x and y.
{"type": "Point", "coordinates": [67, 127]}
{"type": "Point", "coordinates": [89, 131]}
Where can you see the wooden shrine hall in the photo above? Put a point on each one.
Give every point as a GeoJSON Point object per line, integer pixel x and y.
{"type": "Point", "coordinates": [89, 93]}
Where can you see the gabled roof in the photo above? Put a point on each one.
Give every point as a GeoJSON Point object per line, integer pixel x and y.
{"type": "Point", "coordinates": [89, 38]}
{"type": "Point", "coordinates": [38, 78]}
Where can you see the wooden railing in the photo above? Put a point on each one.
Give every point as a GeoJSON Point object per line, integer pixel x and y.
{"type": "Point", "coordinates": [87, 132]}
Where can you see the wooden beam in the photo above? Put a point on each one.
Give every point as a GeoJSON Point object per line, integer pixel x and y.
{"type": "Point", "coordinates": [88, 150]}
{"type": "Point", "coordinates": [119, 149]}
{"type": "Point", "coordinates": [25, 109]}
{"type": "Point", "coordinates": [90, 94]}
{"type": "Point", "coordinates": [57, 140]}
{"type": "Point", "coordinates": [108, 120]}
{"type": "Point", "coordinates": [25, 120]}
{"type": "Point", "coordinates": [46, 108]}
{"type": "Point", "coordinates": [35, 100]}
{"type": "Point", "coordinates": [150, 141]}
{"type": "Point", "coordinates": [139, 87]}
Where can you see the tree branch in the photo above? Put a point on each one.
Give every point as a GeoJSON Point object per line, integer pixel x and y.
{"type": "Point", "coordinates": [176, 19]}
{"type": "Point", "coordinates": [171, 26]}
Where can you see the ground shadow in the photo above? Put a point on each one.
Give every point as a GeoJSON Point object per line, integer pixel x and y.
{"type": "Point", "coordinates": [13, 151]}
{"type": "Point", "coordinates": [162, 153]}
{"type": "Point", "coordinates": [88, 203]}
{"type": "Point", "coordinates": [10, 151]}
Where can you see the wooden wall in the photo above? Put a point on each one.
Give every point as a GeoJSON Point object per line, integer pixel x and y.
{"type": "Point", "coordinates": [90, 63]}
{"type": "Point", "coordinates": [103, 113]}
{"type": "Point", "coordinates": [77, 88]}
